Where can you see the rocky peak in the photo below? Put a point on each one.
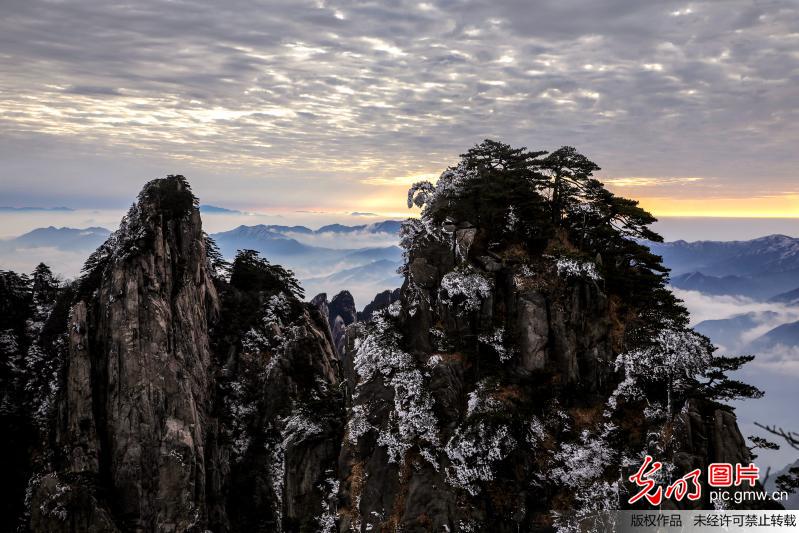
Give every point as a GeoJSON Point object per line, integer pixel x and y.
{"type": "Point", "coordinates": [187, 397]}
{"type": "Point", "coordinates": [381, 301]}
{"type": "Point", "coordinates": [518, 373]}
{"type": "Point", "coordinates": [135, 403]}
{"type": "Point", "coordinates": [339, 313]}
{"type": "Point", "coordinates": [343, 305]}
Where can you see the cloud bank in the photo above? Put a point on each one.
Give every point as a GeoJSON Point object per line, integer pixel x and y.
{"type": "Point", "coordinates": [313, 104]}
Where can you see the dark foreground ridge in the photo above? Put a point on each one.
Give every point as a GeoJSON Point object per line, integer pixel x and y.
{"type": "Point", "coordinates": [530, 360]}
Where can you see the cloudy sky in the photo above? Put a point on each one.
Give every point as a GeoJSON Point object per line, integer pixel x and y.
{"type": "Point", "coordinates": [336, 106]}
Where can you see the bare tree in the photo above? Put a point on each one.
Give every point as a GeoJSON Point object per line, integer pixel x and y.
{"type": "Point", "coordinates": [791, 437]}
{"type": "Point", "coordinates": [788, 482]}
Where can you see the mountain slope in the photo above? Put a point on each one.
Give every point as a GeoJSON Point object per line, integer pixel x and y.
{"type": "Point", "coordinates": [770, 254]}
{"type": "Point", "coordinates": [785, 335]}
{"type": "Point", "coordinates": [73, 239]}
{"type": "Point", "coordinates": [158, 432]}
{"type": "Point", "coordinates": [790, 297]}
{"type": "Point", "coordinates": [728, 331]}
{"type": "Point", "coordinates": [759, 268]}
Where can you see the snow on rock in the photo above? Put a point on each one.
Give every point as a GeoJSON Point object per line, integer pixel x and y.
{"type": "Point", "coordinates": [568, 267]}
{"type": "Point", "coordinates": [357, 424]}
{"type": "Point", "coordinates": [327, 520]}
{"type": "Point", "coordinates": [298, 427]}
{"type": "Point", "coordinates": [434, 360]}
{"type": "Point", "coordinates": [465, 288]}
{"type": "Point", "coordinates": [581, 466]}
{"type": "Point", "coordinates": [418, 231]}
{"type": "Point", "coordinates": [411, 422]}
{"type": "Point", "coordinates": [496, 341]}
{"type": "Point", "coordinates": [536, 432]}
{"type": "Point", "coordinates": [473, 451]}
{"type": "Point", "coordinates": [523, 276]}
{"type": "Point", "coordinates": [481, 400]}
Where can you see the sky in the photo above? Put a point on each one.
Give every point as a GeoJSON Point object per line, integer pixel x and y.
{"type": "Point", "coordinates": [333, 108]}
{"type": "Point", "coordinates": [311, 112]}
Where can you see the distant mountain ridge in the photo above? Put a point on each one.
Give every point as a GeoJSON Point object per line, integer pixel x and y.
{"type": "Point", "coordinates": [759, 268]}
{"type": "Point", "coordinates": [386, 226]}
{"type": "Point", "coordinates": [73, 239]}
{"type": "Point", "coordinates": [785, 335]}
{"type": "Point", "coordinates": [29, 209]}
{"type": "Point", "coordinates": [365, 271]}
{"type": "Point", "coordinates": [371, 268]}
{"type": "Point", "coordinates": [733, 334]}
{"type": "Point", "coordinates": [766, 268]}
{"type": "Point", "coordinates": [790, 297]}
{"type": "Point", "coordinates": [208, 209]}
{"type": "Point", "coordinates": [769, 254]}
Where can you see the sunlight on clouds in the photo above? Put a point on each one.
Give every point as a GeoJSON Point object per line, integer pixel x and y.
{"type": "Point", "coordinates": [302, 51]}
{"type": "Point", "coordinates": [383, 46]}
{"type": "Point", "coordinates": [403, 180]}
{"type": "Point", "coordinates": [786, 206]}
{"type": "Point", "coordinates": [646, 181]}
{"type": "Point", "coordinates": [682, 12]}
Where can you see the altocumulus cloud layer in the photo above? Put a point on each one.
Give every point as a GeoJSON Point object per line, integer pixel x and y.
{"type": "Point", "coordinates": [338, 105]}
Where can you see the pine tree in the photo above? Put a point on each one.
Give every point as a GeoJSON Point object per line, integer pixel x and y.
{"type": "Point", "coordinates": [44, 284]}
{"type": "Point", "coordinates": [253, 273]}
{"type": "Point", "coordinates": [493, 187]}
{"type": "Point", "coordinates": [216, 261]}
{"type": "Point", "coordinates": [566, 176]}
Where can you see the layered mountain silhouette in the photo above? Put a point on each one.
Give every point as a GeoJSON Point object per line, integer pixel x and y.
{"type": "Point", "coordinates": [364, 270]}
{"type": "Point", "coordinates": [759, 268]}
{"type": "Point", "coordinates": [68, 239]}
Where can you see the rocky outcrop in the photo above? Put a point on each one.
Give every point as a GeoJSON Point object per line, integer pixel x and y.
{"type": "Point", "coordinates": [707, 434]}
{"type": "Point", "coordinates": [189, 404]}
{"type": "Point", "coordinates": [284, 418]}
{"type": "Point", "coordinates": [340, 315]}
{"type": "Point", "coordinates": [381, 301]}
{"type": "Point", "coordinates": [502, 387]}
{"type": "Point", "coordinates": [134, 408]}
{"type": "Point", "coordinates": [480, 398]}
{"type": "Point", "coordinates": [343, 305]}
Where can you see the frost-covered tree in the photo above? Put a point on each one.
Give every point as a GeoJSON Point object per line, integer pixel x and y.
{"type": "Point", "coordinates": [672, 359]}
{"type": "Point", "coordinates": [493, 186]}
{"type": "Point", "coordinates": [32, 350]}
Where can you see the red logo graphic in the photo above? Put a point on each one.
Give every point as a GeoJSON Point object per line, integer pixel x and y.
{"type": "Point", "coordinates": [639, 479]}
{"type": "Point", "coordinates": [719, 475]}
{"type": "Point", "coordinates": [748, 473]}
